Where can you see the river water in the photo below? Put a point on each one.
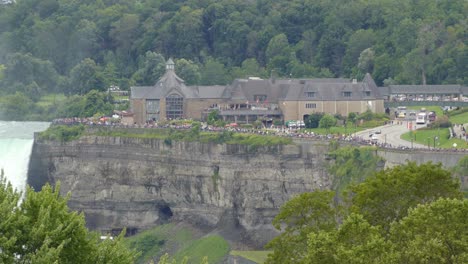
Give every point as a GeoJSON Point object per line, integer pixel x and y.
{"type": "Point", "coordinates": [16, 141]}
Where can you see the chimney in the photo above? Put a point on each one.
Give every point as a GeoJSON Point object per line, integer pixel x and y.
{"type": "Point", "coordinates": [354, 81]}
{"type": "Point", "coordinates": [272, 76]}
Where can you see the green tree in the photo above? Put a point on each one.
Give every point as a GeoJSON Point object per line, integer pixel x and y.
{"type": "Point", "coordinates": [213, 73]}
{"type": "Point", "coordinates": [303, 214]}
{"type": "Point", "coordinates": [42, 230]}
{"type": "Point", "coordinates": [277, 54]}
{"type": "Point", "coordinates": [213, 116]}
{"type": "Point", "coordinates": [123, 32]}
{"type": "Point", "coordinates": [85, 77]}
{"type": "Point", "coordinates": [366, 61]}
{"type": "Point", "coordinates": [188, 71]}
{"type": "Point", "coordinates": [314, 120]}
{"type": "Point", "coordinates": [96, 103]}
{"type": "Point", "coordinates": [352, 117]}
{"type": "Point", "coordinates": [26, 69]}
{"type": "Point", "coordinates": [352, 165]}
{"type": "Point", "coordinates": [359, 41]}
{"type": "Point", "coordinates": [15, 107]}
{"type": "Point", "coordinates": [433, 233]}
{"type": "Point", "coordinates": [327, 121]}
{"type": "Point", "coordinates": [151, 69]}
{"type": "Point", "coordinates": [388, 196]}
{"type": "Point", "coordinates": [354, 242]}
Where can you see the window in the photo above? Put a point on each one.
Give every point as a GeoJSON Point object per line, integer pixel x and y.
{"type": "Point", "coordinates": [347, 94]}
{"type": "Point", "coordinates": [260, 98]}
{"type": "Point", "coordinates": [311, 105]}
{"type": "Point", "coordinates": [310, 94]}
{"type": "Point", "coordinates": [367, 93]}
{"type": "Point", "coordinates": [152, 109]}
{"type": "Point", "coordinates": [174, 106]}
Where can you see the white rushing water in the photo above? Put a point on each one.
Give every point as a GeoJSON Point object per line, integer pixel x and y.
{"type": "Point", "coordinates": [16, 140]}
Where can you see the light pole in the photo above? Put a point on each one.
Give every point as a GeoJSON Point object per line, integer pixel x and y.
{"type": "Point", "coordinates": [346, 128]}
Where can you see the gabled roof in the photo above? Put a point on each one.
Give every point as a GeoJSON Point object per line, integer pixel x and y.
{"type": "Point", "coordinates": [464, 90]}
{"type": "Point", "coordinates": [274, 90]}
{"type": "Point", "coordinates": [209, 92]}
{"type": "Point", "coordinates": [167, 83]}
{"type": "Point", "coordinates": [332, 89]}
{"type": "Point", "coordinates": [144, 92]}
{"type": "Point", "coordinates": [248, 89]}
{"type": "Point", "coordinates": [425, 89]}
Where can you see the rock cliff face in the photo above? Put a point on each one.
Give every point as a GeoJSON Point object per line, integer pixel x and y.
{"type": "Point", "coordinates": [139, 183]}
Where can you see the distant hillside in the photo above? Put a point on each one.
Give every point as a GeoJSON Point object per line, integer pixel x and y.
{"type": "Point", "coordinates": [75, 46]}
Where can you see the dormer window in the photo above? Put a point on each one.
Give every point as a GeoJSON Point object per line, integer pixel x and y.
{"type": "Point", "coordinates": [347, 94]}
{"type": "Point", "coordinates": [310, 94]}
{"type": "Point", "coordinates": [260, 98]}
{"type": "Point", "coordinates": [367, 93]}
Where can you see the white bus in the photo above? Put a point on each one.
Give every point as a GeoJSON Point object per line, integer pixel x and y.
{"type": "Point", "coordinates": [421, 118]}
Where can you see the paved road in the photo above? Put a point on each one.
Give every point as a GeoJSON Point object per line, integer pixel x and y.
{"type": "Point", "coordinates": [390, 134]}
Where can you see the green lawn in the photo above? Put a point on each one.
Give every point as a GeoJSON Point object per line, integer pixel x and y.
{"type": "Point", "coordinates": [179, 242]}
{"type": "Point", "coordinates": [423, 136]}
{"type": "Point", "coordinates": [214, 247]}
{"type": "Point", "coordinates": [426, 137]}
{"type": "Point", "coordinates": [120, 97]}
{"type": "Point", "coordinates": [334, 130]}
{"type": "Point", "coordinates": [255, 256]}
{"type": "Point", "coordinates": [50, 99]}
{"type": "Point", "coordinates": [151, 242]}
{"type": "Point", "coordinates": [459, 119]}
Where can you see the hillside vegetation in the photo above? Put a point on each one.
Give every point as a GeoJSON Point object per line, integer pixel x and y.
{"type": "Point", "coordinates": [75, 46]}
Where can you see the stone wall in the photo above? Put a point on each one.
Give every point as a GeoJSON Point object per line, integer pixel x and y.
{"type": "Point", "coordinates": [449, 159]}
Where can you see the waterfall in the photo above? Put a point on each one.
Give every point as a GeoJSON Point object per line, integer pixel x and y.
{"type": "Point", "coordinates": [16, 141]}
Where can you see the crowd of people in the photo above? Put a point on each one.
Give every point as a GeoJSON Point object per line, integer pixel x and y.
{"type": "Point", "coordinates": [281, 131]}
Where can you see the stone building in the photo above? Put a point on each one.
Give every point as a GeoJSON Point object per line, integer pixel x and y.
{"type": "Point", "coordinates": [247, 100]}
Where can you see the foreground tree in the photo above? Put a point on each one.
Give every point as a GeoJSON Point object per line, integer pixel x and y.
{"type": "Point", "coordinates": [388, 196]}
{"type": "Point", "coordinates": [42, 229]}
{"type": "Point", "coordinates": [302, 215]}
{"type": "Point", "coordinates": [407, 214]}
{"type": "Point", "coordinates": [355, 241]}
{"type": "Point", "coordinates": [433, 233]}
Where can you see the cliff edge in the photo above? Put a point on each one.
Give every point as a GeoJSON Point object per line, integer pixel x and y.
{"type": "Point", "coordinates": [139, 183]}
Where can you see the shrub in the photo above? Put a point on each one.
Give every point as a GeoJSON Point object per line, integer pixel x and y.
{"type": "Point", "coordinates": [62, 133]}
{"type": "Point", "coordinates": [441, 121]}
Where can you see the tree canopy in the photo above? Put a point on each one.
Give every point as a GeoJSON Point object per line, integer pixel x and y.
{"type": "Point", "coordinates": [42, 229]}
{"type": "Point", "coordinates": [408, 214]}
{"type": "Point", "coordinates": [93, 44]}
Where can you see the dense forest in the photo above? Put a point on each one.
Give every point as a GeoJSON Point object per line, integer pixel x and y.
{"type": "Point", "coordinates": [72, 47]}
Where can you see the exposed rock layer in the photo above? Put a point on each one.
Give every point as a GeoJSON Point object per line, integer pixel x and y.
{"type": "Point", "coordinates": [138, 183]}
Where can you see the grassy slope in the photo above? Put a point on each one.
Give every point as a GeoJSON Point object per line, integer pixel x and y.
{"type": "Point", "coordinates": [460, 118]}
{"type": "Point", "coordinates": [255, 256]}
{"type": "Point", "coordinates": [214, 247]}
{"type": "Point", "coordinates": [50, 99]}
{"type": "Point", "coordinates": [178, 242]}
{"type": "Point", "coordinates": [335, 130]}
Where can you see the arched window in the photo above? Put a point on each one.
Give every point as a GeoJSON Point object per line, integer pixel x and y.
{"type": "Point", "coordinates": [174, 106]}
